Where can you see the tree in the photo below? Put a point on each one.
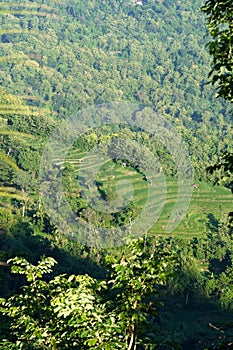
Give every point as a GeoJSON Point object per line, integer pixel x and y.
{"type": "Point", "coordinates": [135, 281]}
{"type": "Point", "coordinates": [80, 312]}
{"type": "Point", "coordinates": [226, 165]}
{"type": "Point", "coordinates": [219, 18]}
{"type": "Point", "coordinates": [65, 313]}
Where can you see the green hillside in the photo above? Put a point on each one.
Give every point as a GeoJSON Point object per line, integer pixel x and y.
{"type": "Point", "coordinates": [108, 124]}
{"type": "Point", "coordinates": [209, 203]}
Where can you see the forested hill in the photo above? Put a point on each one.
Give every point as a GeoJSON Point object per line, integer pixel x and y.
{"type": "Point", "coordinates": [58, 57]}
{"type": "Point", "coordinates": [61, 56]}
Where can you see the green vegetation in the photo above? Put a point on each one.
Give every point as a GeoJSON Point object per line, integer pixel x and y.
{"type": "Point", "coordinates": [158, 291]}
{"type": "Point", "coordinates": [87, 313]}
{"type": "Point", "coordinates": [220, 28]}
{"type": "Point", "coordinates": [206, 199]}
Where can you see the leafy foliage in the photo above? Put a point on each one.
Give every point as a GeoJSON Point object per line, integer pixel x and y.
{"type": "Point", "coordinates": [81, 312]}
{"type": "Point", "coordinates": [56, 59]}
{"type": "Point", "coordinates": [219, 18]}
{"type": "Point", "coordinates": [226, 165]}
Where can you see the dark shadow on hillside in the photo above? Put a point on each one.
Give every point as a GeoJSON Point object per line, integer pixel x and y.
{"type": "Point", "coordinates": [22, 242]}
{"type": "Point", "coordinates": [187, 320]}
{"type": "Point", "coordinates": [219, 254]}
{"type": "Point", "coordinates": [213, 223]}
{"type": "Point", "coordinates": [190, 311]}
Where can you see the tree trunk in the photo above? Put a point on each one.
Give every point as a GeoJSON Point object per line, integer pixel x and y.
{"type": "Point", "coordinates": [132, 345]}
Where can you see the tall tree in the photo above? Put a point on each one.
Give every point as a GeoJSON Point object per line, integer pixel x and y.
{"type": "Point", "coordinates": [220, 25]}
{"type": "Point", "coordinates": [219, 18]}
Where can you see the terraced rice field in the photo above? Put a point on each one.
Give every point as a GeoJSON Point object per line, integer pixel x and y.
{"type": "Point", "coordinates": [208, 202]}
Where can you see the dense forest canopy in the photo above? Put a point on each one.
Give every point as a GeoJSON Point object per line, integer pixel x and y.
{"type": "Point", "coordinates": [76, 55]}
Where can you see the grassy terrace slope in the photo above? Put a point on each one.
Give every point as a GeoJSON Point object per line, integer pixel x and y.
{"type": "Point", "coordinates": [209, 203]}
